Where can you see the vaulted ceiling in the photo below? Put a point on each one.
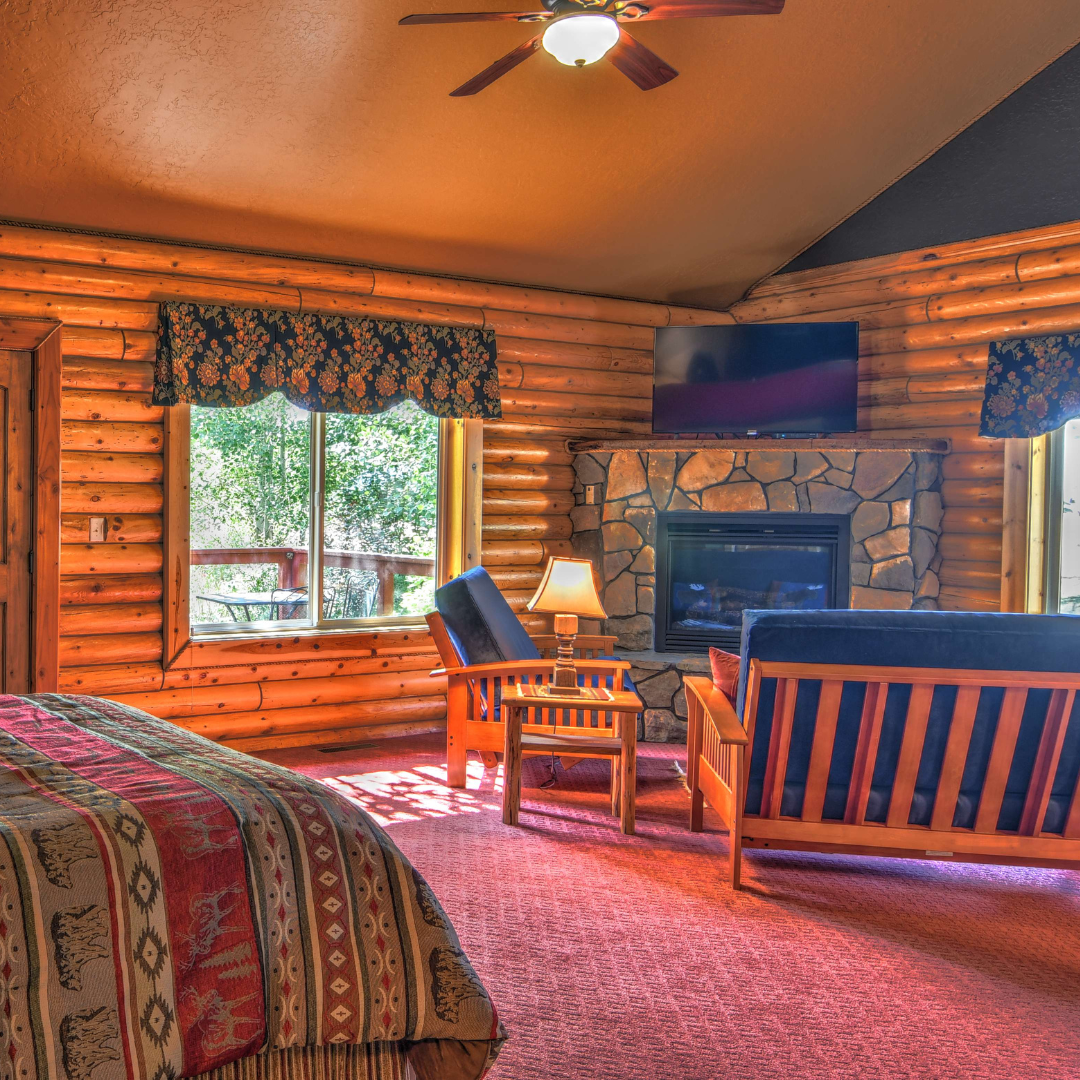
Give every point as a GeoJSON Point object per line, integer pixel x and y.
{"type": "Point", "coordinates": [323, 128]}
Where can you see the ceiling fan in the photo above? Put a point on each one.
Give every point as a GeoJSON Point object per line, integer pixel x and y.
{"type": "Point", "coordinates": [580, 32]}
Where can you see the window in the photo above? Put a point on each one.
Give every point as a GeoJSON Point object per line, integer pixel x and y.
{"type": "Point", "coordinates": [311, 518]}
{"type": "Point", "coordinates": [284, 521]}
{"type": "Point", "coordinates": [1062, 498]}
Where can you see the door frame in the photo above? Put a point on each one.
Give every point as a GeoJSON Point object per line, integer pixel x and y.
{"type": "Point", "coordinates": [42, 339]}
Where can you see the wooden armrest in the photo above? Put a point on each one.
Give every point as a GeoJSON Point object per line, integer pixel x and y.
{"type": "Point", "coordinates": [718, 709]}
{"type": "Point", "coordinates": [531, 667]}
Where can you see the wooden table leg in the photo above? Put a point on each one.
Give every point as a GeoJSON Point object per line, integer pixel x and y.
{"type": "Point", "coordinates": [628, 768]}
{"type": "Point", "coordinates": [616, 784]}
{"type": "Point", "coordinates": [512, 766]}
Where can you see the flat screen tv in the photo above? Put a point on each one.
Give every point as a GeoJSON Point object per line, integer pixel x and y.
{"type": "Point", "coordinates": [782, 378]}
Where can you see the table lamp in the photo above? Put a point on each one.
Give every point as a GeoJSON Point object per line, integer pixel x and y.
{"type": "Point", "coordinates": [568, 589]}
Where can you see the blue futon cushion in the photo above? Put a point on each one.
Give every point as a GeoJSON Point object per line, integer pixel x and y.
{"type": "Point", "coordinates": [933, 639]}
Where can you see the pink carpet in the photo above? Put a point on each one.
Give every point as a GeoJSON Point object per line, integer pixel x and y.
{"type": "Point", "coordinates": [618, 958]}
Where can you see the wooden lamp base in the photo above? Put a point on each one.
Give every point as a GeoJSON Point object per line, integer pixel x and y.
{"type": "Point", "coordinates": [565, 682]}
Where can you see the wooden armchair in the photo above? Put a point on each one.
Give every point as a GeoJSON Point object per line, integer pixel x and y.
{"type": "Point", "coordinates": [474, 694]}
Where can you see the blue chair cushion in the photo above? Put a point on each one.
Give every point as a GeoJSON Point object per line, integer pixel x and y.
{"type": "Point", "coordinates": [944, 639]}
{"type": "Point", "coordinates": [480, 622]}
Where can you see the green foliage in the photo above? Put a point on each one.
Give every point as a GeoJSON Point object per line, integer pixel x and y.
{"type": "Point", "coordinates": [250, 475]}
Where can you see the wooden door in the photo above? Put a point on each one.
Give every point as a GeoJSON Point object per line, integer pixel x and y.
{"type": "Point", "coordinates": [16, 515]}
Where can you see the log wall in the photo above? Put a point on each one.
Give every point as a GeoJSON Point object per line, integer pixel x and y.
{"type": "Point", "coordinates": [569, 365]}
{"type": "Point", "coordinates": [926, 320]}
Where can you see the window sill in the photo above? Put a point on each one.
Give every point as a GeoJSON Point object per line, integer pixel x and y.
{"type": "Point", "coordinates": [387, 626]}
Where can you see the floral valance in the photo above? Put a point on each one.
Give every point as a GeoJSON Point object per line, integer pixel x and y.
{"type": "Point", "coordinates": [1032, 386]}
{"type": "Point", "coordinates": [222, 356]}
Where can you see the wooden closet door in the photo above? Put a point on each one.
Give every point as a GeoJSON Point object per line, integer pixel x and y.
{"type": "Point", "coordinates": [16, 514]}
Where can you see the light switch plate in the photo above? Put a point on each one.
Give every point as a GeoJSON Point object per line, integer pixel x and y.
{"type": "Point", "coordinates": [99, 529]}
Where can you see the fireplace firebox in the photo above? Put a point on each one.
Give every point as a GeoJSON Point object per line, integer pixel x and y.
{"type": "Point", "coordinates": [710, 567]}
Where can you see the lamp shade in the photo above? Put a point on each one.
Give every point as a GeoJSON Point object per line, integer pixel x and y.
{"type": "Point", "coordinates": [568, 588]}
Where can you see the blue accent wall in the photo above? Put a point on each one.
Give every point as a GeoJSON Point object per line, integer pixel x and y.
{"type": "Point", "coordinates": [1017, 167]}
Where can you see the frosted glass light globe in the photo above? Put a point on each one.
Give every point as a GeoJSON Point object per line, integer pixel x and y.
{"type": "Point", "coordinates": [576, 40]}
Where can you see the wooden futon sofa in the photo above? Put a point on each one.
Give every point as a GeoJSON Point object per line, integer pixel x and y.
{"type": "Point", "coordinates": [921, 734]}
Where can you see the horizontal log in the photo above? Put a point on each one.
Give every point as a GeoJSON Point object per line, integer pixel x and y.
{"type": "Point", "coordinates": [110, 558]}
{"type": "Point", "coordinates": [1052, 263]}
{"type": "Point", "coordinates": [516, 501]}
{"type": "Point", "coordinates": [971, 519]}
{"type": "Point", "coordinates": [119, 528]}
{"type": "Point", "coordinates": [924, 362]}
{"type": "Point", "coordinates": [570, 380]}
{"type": "Point", "coordinates": [896, 312]}
{"type": "Point", "coordinates": [921, 281]}
{"type": "Point", "coordinates": [121, 254]}
{"type": "Point", "coordinates": [120, 406]}
{"type": "Point", "coordinates": [533, 477]}
{"type": "Point", "coordinates": [77, 466]}
{"type": "Point", "coordinates": [336, 691]}
{"type": "Point", "coordinates": [580, 331]}
{"type": "Point", "coordinates": [338, 736]}
{"type": "Point", "coordinates": [75, 310]}
{"type": "Point", "coordinates": [526, 528]}
{"type": "Point", "coordinates": [203, 653]}
{"type": "Point", "coordinates": [916, 388]}
{"type": "Point", "coordinates": [110, 619]}
{"type": "Point", "coordinates": [109, 649]}
{"type": "Point", "coordinates": [103, 679]}
{"type": "Point", "coordinates": [83, 373]}
{"type": "Point", "coordinates": [925, 413]}
{"type": "Point", "coordinates": [517, 599]}
{"type": "Point", "coordinates": [971, 547]}
{"type": "Point", "coordinates": [107, 437]}
{"type": "Point", "coordinates": [549, 404]}
{"type": "Point", "coordinates": [111, 498]}
{"type": "Point", "coordinates": [516, 298]}
{"type": "Point", "coordinates": [517, 578]}
{"type": "Point", "coordinates": [90, 342]}
{"type": "Point", "coordinates": [568, 426]}
{"type": "Point", "coordinates": [110, 589]}
{"type": "Point", "coordinates": [523, 552]}
{"type": "Point", "coordinates": [341, 666]}
{"type": "Point", "coordinates": [951, 598]}
{"type": "Point", "coordinates": [971, 575]}
{"type": "Point", "coordinates": [525, 452]}
{"type": "Point", "coordinates": [959, 253]}
{"type": "Point", "coordinates": [307, 718]}
{"type": "Point", "coordinates": [987, 493]}
{"type": "Point", "coordinates": [192, 700]}
{"type": "Point", "coordinates": [1004, 299]}
{"type": "Point", "coordinates": [957, 332]}
{"type": "Point", "coordinates": [568, 354]}
{"type": "Point", "coordinates": [973, 466]}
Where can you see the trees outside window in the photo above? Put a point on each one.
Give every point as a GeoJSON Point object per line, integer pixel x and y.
{"type": "Point", "coordinates": [290, 508]}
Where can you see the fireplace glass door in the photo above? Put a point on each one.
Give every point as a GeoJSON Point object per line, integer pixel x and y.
{"type": "Point", "coordinates": [712, 567]}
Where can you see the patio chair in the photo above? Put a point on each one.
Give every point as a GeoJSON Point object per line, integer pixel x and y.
{"type": "Point", "coordinates": [482, 646]}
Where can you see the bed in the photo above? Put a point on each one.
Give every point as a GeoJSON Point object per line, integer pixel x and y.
{"type": "Point", "coordinates": [172, 908]}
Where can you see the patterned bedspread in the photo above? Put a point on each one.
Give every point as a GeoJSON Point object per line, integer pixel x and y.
{"type": "Point", "coordinates": [168, 906]}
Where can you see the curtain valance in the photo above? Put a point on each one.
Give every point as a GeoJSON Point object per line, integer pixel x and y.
{"type": "Point", "coordinates": [227, 356]}
{"type": "Point", "coordinates": [1032, 386]}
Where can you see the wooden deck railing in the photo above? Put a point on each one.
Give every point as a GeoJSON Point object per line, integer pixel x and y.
{"type": "Point", "coordinates": [292, 564]}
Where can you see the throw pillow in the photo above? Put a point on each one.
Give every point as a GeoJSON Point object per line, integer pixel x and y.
{"type": "Point", "coordinates": [725, 671]}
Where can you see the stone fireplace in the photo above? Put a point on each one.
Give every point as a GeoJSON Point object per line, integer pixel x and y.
{"type": "Point", "coordinates": [885, 494]}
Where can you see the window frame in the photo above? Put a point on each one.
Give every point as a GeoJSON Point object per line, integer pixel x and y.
{"type": "Point", "coordinates": [458, 512]}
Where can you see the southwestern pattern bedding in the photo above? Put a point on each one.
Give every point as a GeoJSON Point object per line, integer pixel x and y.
{"type": "Point", "coordinates": [171, 908]}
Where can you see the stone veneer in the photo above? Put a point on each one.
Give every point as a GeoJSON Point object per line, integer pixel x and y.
{"type": "Point", "coordinates": [891, 496]}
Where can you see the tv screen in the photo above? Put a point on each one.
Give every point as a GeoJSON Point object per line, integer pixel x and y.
{"type": "Point", "coordinates": [784, 378]}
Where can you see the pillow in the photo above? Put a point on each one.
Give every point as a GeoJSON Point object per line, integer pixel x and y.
{"type": "Point", "coordinates": [725, 671]}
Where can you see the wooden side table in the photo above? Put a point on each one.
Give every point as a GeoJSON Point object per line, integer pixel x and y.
{"type": "Point", "coordinates": [577, 742]}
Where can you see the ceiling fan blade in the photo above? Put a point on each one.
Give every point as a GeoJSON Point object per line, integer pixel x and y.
{"type": "Point", "coordinates": [499, 68]}
{"type": "Point", "coordinates": [476, 16]}
{"type": "Point", "coordinates": [640, 65]}
{"type": "Point", "coordinates": [704, 9]}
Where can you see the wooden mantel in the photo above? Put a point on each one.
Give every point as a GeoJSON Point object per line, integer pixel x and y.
{"type": "Point", "coordinates": [608, 446]}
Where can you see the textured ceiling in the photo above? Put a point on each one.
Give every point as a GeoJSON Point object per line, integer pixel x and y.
{"type": "Point", "coordinates": [324, 128]}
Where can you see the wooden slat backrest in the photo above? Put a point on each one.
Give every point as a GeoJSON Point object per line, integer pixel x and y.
{"type": "Point", "coordinates": [923, 682]}
{"type": "Point", "coordinates": [817, 777]}
{"type": "Point", "coordinates": [1046, 761]}
{"type": "Point", "coordinates": [866, 748]}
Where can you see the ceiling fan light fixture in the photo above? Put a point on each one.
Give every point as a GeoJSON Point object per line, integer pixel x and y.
{"type": "Point", "coordinates": [581, 38]}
